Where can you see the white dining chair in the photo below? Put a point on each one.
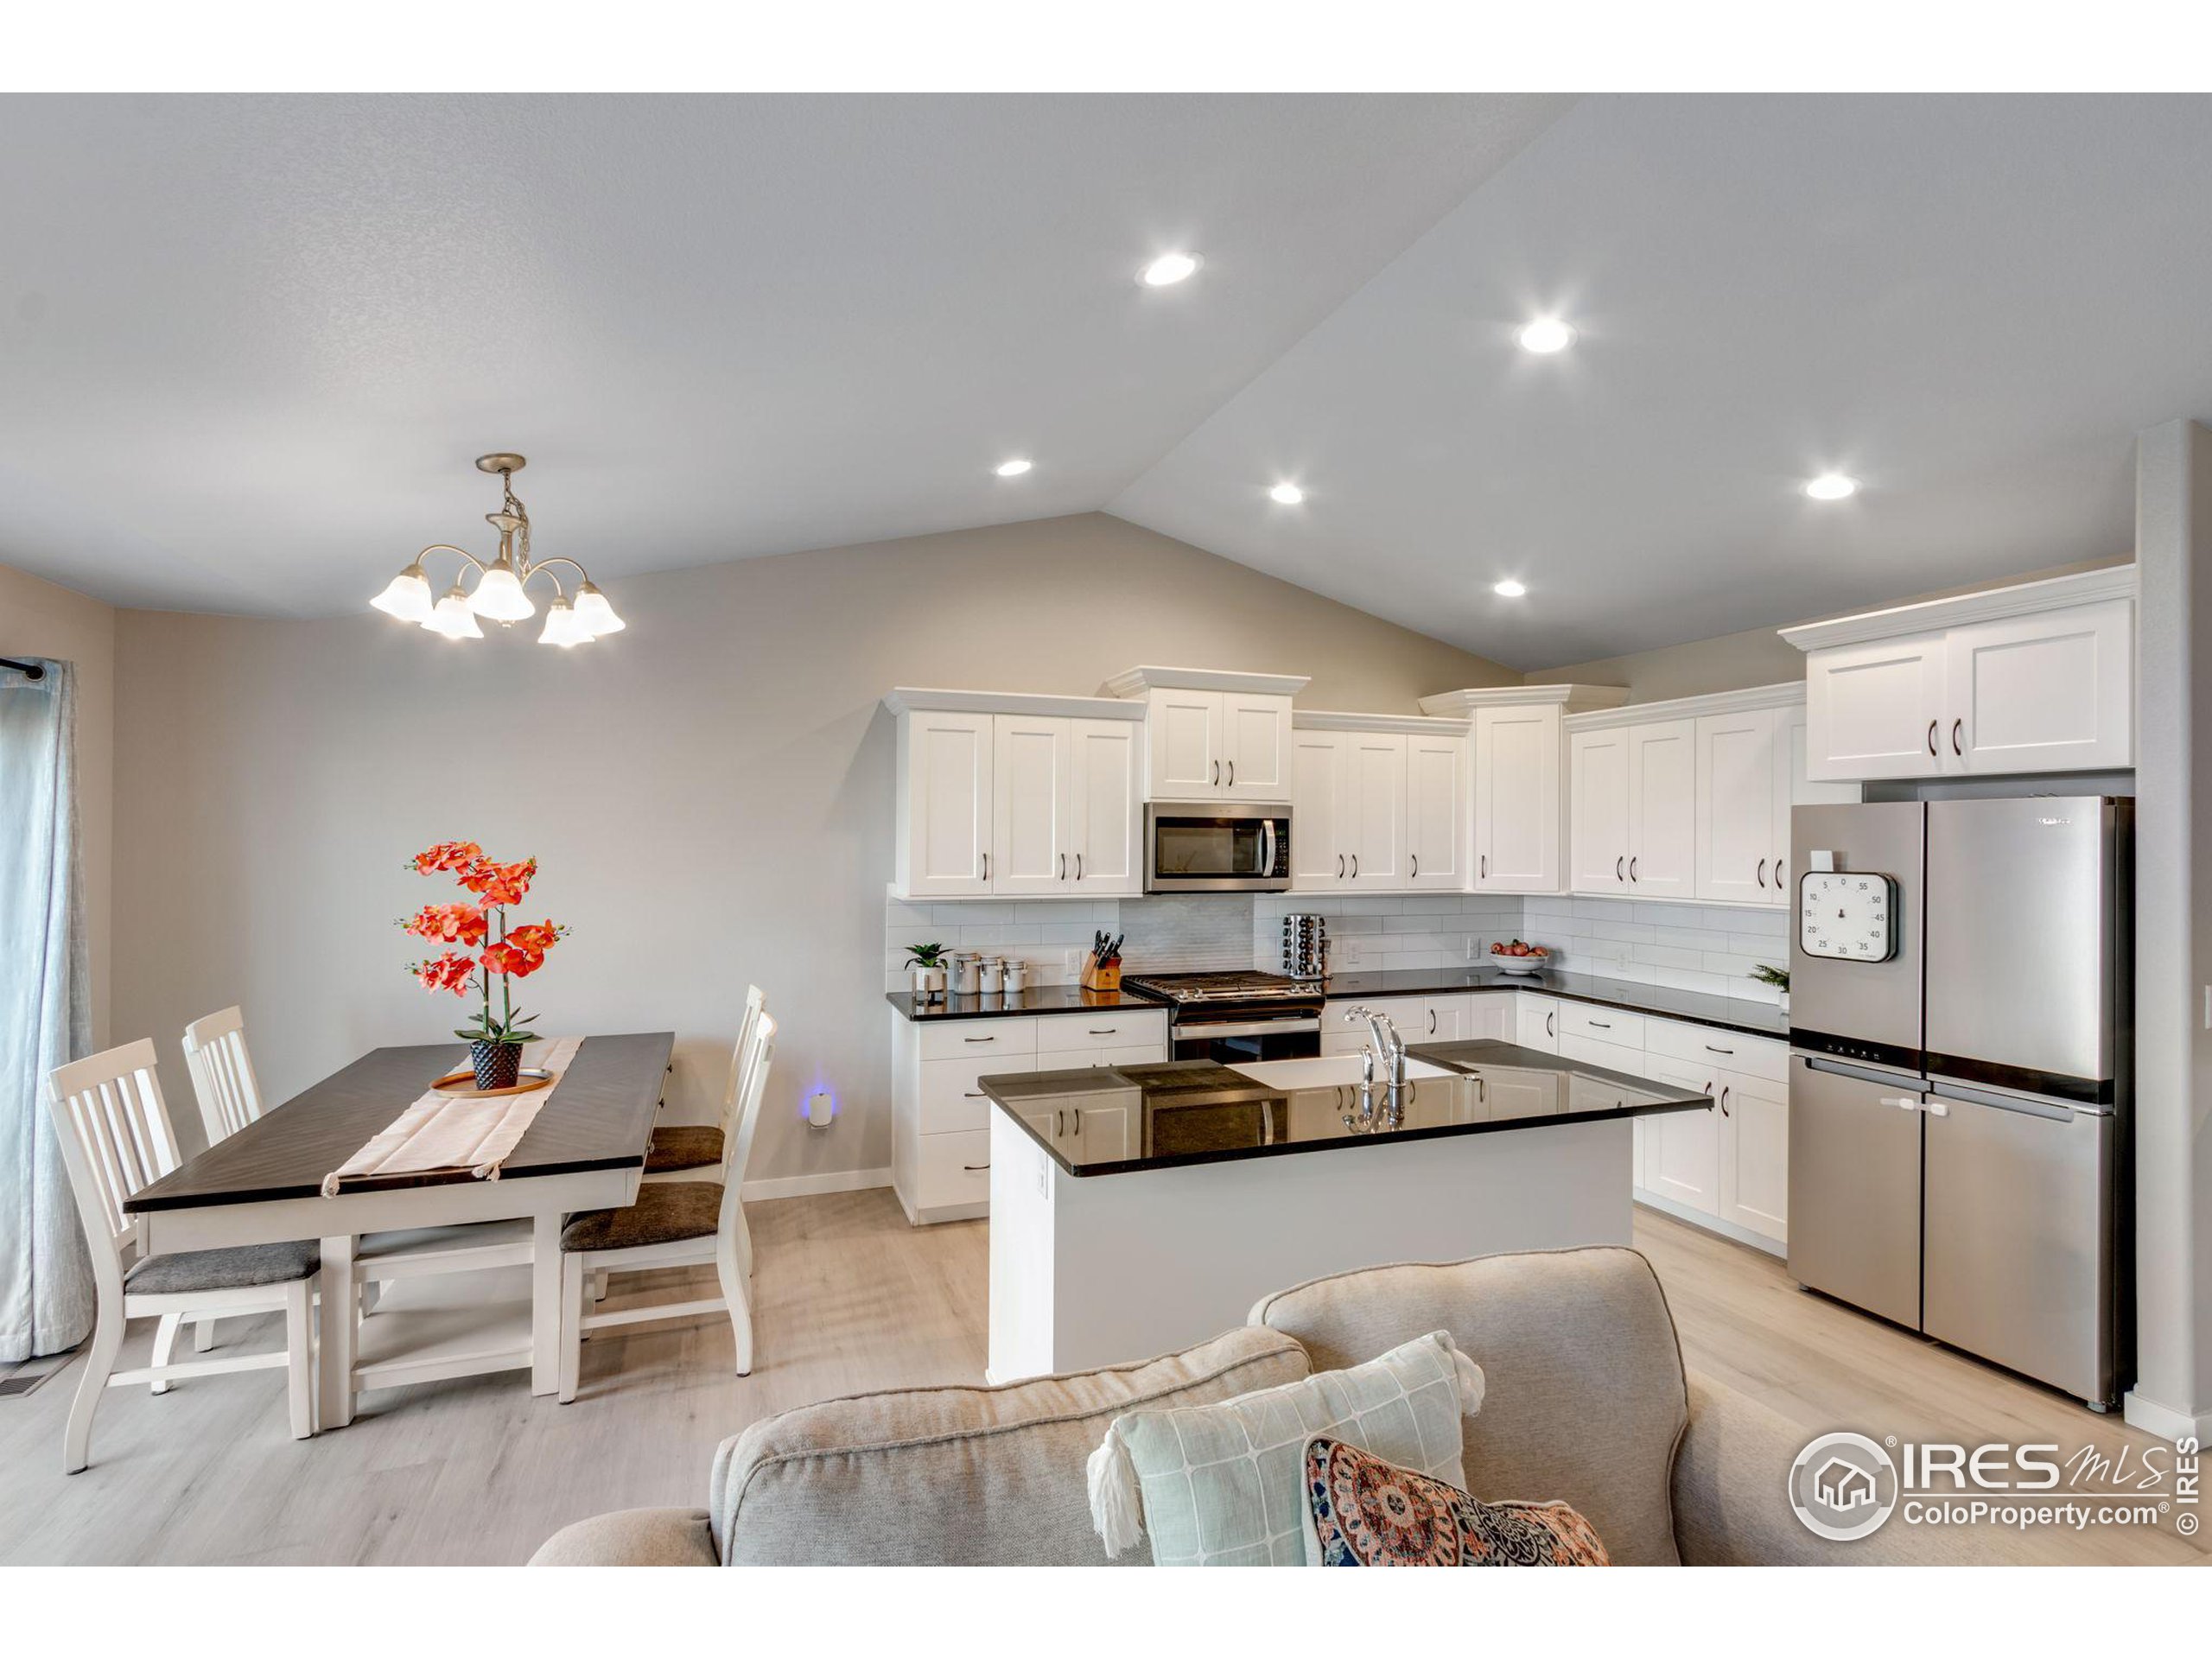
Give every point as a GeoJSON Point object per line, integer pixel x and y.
{"type": "Point", "coordinates": [689, 1152]}
{"type": "Point", "coordinates": [222, 1073]}
{"type": "Point", "coordinates": [116, 1140]}
{"type": "Point", "coordinates": [679, 1223]}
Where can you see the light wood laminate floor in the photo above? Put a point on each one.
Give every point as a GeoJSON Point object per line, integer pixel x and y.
{"type": "Point", "coordinates": [850, 1298]}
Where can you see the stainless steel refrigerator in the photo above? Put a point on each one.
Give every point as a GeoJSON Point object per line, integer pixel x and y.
{"type": "Point", "coordinates": [1959, 1106]}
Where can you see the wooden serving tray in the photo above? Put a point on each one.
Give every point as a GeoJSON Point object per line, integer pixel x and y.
{"type": "Point", "coordinates": [461, 1085]}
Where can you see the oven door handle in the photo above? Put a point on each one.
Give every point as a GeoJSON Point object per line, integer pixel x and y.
{"type": "Point", "coordinates": [1187, 1032]}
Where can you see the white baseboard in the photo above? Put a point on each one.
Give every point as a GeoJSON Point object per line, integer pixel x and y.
{"type": "Point", "coordinates": [802, 1186]}
{"type": "Point", "coordinates": [1710, 1223]}
{"type": "Point", "coordinates": [2147, 1414]}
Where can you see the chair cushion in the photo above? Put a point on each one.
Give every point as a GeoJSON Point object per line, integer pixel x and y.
{"type": "Point", "coordinates": [228, 1269]}
{"type": "Point", "coordinates": [1363, 1511]}
{"type": "Point", "coordinates": [664, 1211]}
{"type": "Point", "coordinates": [684, 1147]}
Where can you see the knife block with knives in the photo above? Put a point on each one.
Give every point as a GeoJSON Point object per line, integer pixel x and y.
{"type": "Point", "coordinates": [1101, 968]}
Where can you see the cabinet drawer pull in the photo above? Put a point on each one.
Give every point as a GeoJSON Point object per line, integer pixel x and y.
{"type": "Point", "coordinates": [975, 1169]}
{"type": "Point", "coordinates": [1632, 870]}
{"type": "Point", "coordinates": [1602, 1025]}
{"type": "Point", "coordinates": [1710, 1049]}
{"type": "Point", "coordinates": [1762, 872]}
{"type": "Point", "coordinates": [1932, 725]}
{"type": "Point", "coordinates": [979, 1040]}
{"type": "Point", "coordinates": [1097, 1031]}
{"type": "Point", "coordinates": [973, 1094]}
{"type": "Point", "coordinates": [1955, 725]}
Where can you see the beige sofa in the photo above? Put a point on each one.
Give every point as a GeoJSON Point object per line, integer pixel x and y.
{"type": "Point", "coordinates": [1587, 1401]}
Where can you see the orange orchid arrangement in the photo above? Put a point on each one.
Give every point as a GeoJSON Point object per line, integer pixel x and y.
{"type": "Point", "coordinates": [508, 953]}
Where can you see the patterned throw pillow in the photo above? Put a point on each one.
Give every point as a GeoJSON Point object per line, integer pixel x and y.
{"type": "Point", "coordinates": [1218, 1485]}
{"type": "Point", "coordinates": [1363, 1511]}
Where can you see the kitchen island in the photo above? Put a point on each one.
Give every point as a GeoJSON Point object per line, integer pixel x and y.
{"type": "Point", "coordinates": [1138, 1209]}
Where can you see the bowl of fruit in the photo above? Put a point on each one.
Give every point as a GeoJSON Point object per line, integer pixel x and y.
{"type": "Point", "coordinates": [1519, 957]}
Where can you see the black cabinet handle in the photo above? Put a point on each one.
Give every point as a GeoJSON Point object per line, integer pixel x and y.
{"type": "Point", "coordinates": [1617, 862]}
{"type": "Point", "coordinates": [1710, 1049]}
{"type": "Point", "coordinates": [1551, 1024]}
{"type": "Point", "coordinates": [1064, 866]}
{"type": "Point", "coordinates": [974, 1169]}
{"type": "Point", "coordinates": [1931, 736]}
{"type": "Point", "coordinates": [1079, 866]}
{"type": "Point", "coordinates": [1762, 872]}
{"type": "Point", "coordinates": [1602, 1025]}
{"type": "Point", "coordinates": [1415, 857]}
{"type": "Point", "coordinates": [1355, 867]}
{"type": "Point", "coordinates": [1232, 774]}
{"type": "Point", "coordinates": [979, 1040]}
{"type": "Point", "coordinates": [1955, 725]}
{"type": "Point", "coordinates": [987, 867]}
{"type": "Point", "coordinates": [1724, 1101]}
{"type": "Point", "coordinates": [1340, 866]}
{"type": "Point", "coordinates": [1217, 774]}
{"type": "Point", "coordinates": [1632, 870]}
{"type": "Point", "coordinates": [973, 1094]}
{"type": "Point", "coordinates": [1485, 869]}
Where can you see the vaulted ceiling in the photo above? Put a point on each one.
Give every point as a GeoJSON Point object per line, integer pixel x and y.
{"type": "Point", "coordinates": [249, 346]}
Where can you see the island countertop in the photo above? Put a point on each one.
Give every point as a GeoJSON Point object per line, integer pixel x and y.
{"type": "Point", "coordinates": [1180, 1112]}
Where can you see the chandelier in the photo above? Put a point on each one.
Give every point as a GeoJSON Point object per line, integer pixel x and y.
{"type": "Point", "coordinates": [499, 595]}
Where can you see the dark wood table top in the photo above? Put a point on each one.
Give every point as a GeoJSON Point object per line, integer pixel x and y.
{"type": "Point", "coordinates": [601, 1117]}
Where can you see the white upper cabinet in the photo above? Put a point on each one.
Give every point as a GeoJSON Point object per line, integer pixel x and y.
{"type": "Point", "coordinates": [1436, 811]}
{"type": "Point", "coordinates": [1691, 799]}
{"type": "Point", "coordinates": [1518, 809]}
{"type": "Point", "coordinates": [1005, 795]}
{"type": "Point", "coordinates": [1598, 793]}
{"type": "Point", "coordinates": [1663, 810]}
{"type": "Point", "coordinates": [1107, 816]}
{"type": "Point", "coordinates": [1736, 799]}
{"type": "Point", "coordinates": [1032, 796]}
{"type": "Point", "coordinates": [1318, 800]}
{"type": "Point", "coordinates": [1374, 812]}
{"type": "Point", "coordinates": [1211, 735]}
{"type": "Point", "coordinates": [944, 805]}
{"type": "Point", "coordinates": [2036, 678]}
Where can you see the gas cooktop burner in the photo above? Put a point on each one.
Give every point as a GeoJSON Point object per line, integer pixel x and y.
{"type": "Point", "coordinates": [1223, 988]}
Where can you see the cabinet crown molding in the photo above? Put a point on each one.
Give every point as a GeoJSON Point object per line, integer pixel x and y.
{"type": "Point", "coordinates": [1930, 615]}
{"type": "Point", "coordinates": [913, 699]}
{"type": "Point", "coordinates": [1572, 698]}
{"type": "Point", "coordinates": [1786, 695]}
{"type": "Point", "coordinates": [1327, 720]}
{"type": "Point", "coordinates": [1135, 682]}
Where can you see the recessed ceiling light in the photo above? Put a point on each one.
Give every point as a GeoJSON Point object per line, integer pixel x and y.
{"type": "Point", "coordinates": [1168, 270]}
{"type": "Point", "coordinates": [1013, 468]}
{"type": "Point", "coordinates": [1289, 494]}
{"type": "Point", "coordinates": [1831, 487]}
{"type": "Point", "coordinates": [1546, 335]}
{"type": "Point", "coordinates": [1509, 588]}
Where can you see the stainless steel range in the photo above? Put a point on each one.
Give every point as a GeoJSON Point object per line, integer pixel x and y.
{"type": "Point", "coordinates": [1230, 1017]}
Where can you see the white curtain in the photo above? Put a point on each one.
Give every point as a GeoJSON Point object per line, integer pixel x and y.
{"type": "Point", "coordinates": [46, 1281]}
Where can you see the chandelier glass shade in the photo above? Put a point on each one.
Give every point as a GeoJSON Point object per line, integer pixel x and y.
{"type": "Point", "coordinates": [500, 594]}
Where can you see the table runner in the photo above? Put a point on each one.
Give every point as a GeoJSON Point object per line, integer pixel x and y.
{"type": "Point", "coordinates": [443, 1134]}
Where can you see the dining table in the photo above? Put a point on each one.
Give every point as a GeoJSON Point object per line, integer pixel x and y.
{"type": "Point", "coordinates": [585, 1150]}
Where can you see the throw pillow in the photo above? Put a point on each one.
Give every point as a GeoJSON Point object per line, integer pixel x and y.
{"type": "Point", "coordinates": [1220, 1485]}
{"type": "Point", "coordinates": [1363, 1511]}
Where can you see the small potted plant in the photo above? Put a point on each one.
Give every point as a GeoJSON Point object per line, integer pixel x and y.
{"type": "Point", "coordinates": [1777, 977]}
{"type": "Point", "coordinates": [928, 963]}
{"type": "Point", "coordinates": [510, 953]}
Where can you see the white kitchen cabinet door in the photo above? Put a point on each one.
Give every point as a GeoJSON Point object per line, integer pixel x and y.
{"type": "Point", "coordinates": [948, 805]}
{"type": "Point", "coordinates": [1436, 812]}
{"type": "Point", "coordinates": [1755, 1154]}
{"type": "Point", "coordinates": [1184, 741]}
{"type": "Point", "coordinates": [1663, 810]}
{"type": "Point", "coordinates": [1516, 830]}
{"type": "Point", "coordinates": [1507, 1091]}
{"type": "Point", "coordinates": [1374, 776]}
{"type": "Point", "coordinates": [1597, 795]}
{"type": "Point", "coordinates": [1535, 1022]}
{"type": "Point", "coordinates": [1736, 834]}
{"type": "Point", "coordinates": [1031, 797]}
{"type": "Point", "coordinates": [1255, 746]}
{"type": "Point", "coordinates": [1875, 710]}
{"type": "Point", "coordinates": [2054, 692]}
{"type": "Point", "coordinates": [1319, 820]}
{"type": "Point", "coordinates": [1105, 1132]}
{"type": "Point", "coordinates": [1444, 1019]}
{"type": "Point", "coordinates": [1105, 810]}
{"type": "Point", "coordinates": [1794, 787]}
{"type": "Point", "coordinates": [1681, 1150]}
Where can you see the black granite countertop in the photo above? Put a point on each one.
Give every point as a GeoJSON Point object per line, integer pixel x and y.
{"type": "Point", "coordinates": [1041, 999]}
{"type": "Point", "coordinates": [1753, 1019]}
{"type": "Point", "coordinates": [1180, 1112]}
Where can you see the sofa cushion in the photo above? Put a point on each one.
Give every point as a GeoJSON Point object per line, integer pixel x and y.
{"type": "Point", "coordinates": [958, 1476]}
{"type": "Point", "coordinates": [1363, 1511]}
{"type": "Point", "coordinates": [631, 1538]}
{"type": "Point", "coordinates": [181, 1272]}
{"type": "Point", "coordinates": [1221, 1482]}
{"type": "Point", "coordinates": [1585, 1393]}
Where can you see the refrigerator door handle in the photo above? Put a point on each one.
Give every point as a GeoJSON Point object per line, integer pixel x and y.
{"type": "Point", "coordinates": [1862, 1073]}
{"type": "Point", "coordinates": [2057, 1111]}
{"type": "Point", "coordinates": [1936, 1108]}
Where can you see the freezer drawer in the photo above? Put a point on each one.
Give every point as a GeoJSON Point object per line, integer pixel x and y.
{"type": "Point", "coordinates": [1854, 1188]}
{"type": "Point", "coordinates": [2020, 1238]}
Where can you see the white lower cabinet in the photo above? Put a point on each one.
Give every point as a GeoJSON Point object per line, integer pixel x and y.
{"type": "Point", "coordinates": [1755, 1162]}
{"type": "Point", "coordinates": [1466, 1018]}
{"type": "Point", "coordinates": [1535, 1021]}
{"type": "Point", "coordinates": [940, 1129]}
{"type": "Point", "coordinates": [1681, 1150]}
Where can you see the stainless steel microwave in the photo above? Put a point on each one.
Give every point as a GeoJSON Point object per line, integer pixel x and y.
{"type": "Point", "coordinates": [1217, 847]}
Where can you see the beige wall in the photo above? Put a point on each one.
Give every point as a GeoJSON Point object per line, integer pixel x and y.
{"type": "Point", "coordinates": [1731, 661]}
{"type": "Point", "coordinates": [37, 619]}
{"type": "Point", "coordinates": [709, 793]}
